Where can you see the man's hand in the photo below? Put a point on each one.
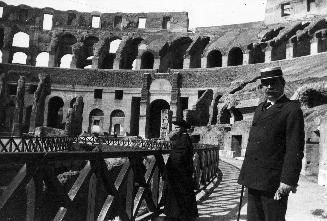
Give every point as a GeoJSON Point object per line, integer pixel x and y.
{"type": "Point", "coordinates": [284, 190]}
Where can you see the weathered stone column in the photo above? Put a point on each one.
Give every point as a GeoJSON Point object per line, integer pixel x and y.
{"type": "Point", "coordinates": [137, 63]}
{"type": "Point", "coordinates": [175, 98]}
{"type": "Point", "coordinates": [156, 63]}
{"type": "Point", "coordinates": [74, 119]}
{"type": "Point", "coordinates": [3, 101]}
{"type": "Point", "coordinates": [246, 57]}
{"type": "Point", "coordinates": [204, 62]}
{"type": "Point", "coordinates": [313, 46]}
{"type": "Point", "coordinates": [289, 50]}
{"type": "Point", "coordinates": [322, 173]}
{"type": "Point", "coordinates": [145, 100]}
{"type": "Point", "coordinates": [186, 62]}
{"type": "Point", "coordinates": [224, 60]}
{"type": "Point", "coordinates": [43, 90]}
{"type": "Point", "coordinates": [19, 108]}
{"type": "Point", "coordinates": [77, 49]}
{"type": "Point", "coordinates": [268, 54]}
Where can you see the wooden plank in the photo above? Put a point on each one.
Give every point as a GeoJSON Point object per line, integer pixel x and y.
{"type": "Point", "coordinates": [155, 186]}
{"type": "Point", "coordinates": [79, 181]}
{"type": "Point", "coordinates": [105, 208]}
{"type": "Point", "coordinates": [91, 198]}
{"type": "Point", "coordinates": [16, 183]}
{"type": "Point", "coordinates": [30, 195]}
{"type": "Point", "coordinates": [60, 214]}
{"type": "Point", "coordinates": [129, 194]}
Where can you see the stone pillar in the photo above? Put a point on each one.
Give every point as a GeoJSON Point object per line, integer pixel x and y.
{"type": "Point", "coordinates": [156, 63]}
{"type": "Point", "coordinates": [137, 64]}
{"type": "Point", "coordinates": [314, 46]}
{"type": "Point", "coordinates": [4, 100]}
{"type": "Point", "coordinates": [322, 173]}
{"type": "Point", "coordinates": [175, 98]}
{"type": "Point", "coordinates": [19, 108]}
{"type": "Point", "coordinates": [186, 63]}
{"type": "Point", "coordinates": [95, 62]}
{"type": "Point", "coordinates": [144, 104]}
{"type": "Point", "coordinates": [6, 56]}
{"type": "Point", "coordinates": [268, 54]}
{"type": "Point", "coordinates": [43, 90]}
{"type": "Point", "coordinates": [77, 50]}
{"type": "Point", "coordinates": [224, 61]}
{"type": "Point", "coordinates": [52, 60]}
{"type": "Point", "coordinates": [74, 119]}
{"type": "Point", "coordinates": [289, 51]}
{"type": "Point", "coordinates": [246, 57]}
{"type": "Point", "coordinates": [116, 64]}
{"type": "Point", "coordinates": [204, 62]}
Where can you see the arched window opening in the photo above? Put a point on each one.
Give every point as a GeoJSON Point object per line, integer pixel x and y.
{"type": "Point", "coordinates": [235, 57]}
{"type": "Point", "coordinates": [155, 117]}
{"type": "Point", "coordinates": [196, 52]}
{"type": "Point", "coordinates": [301, 48]}
{"type": "Point", "coordinates": [65, 61]}
{"type": "Point", "coordinates": [278, 52]}
{"type": "Point", "coordinates": [19, 58]}
{"type": "Point", "coordinates": [65, 47]}
{"type": "Point", "coordinates": [55, 112]}
{"type": "Point", "coordinates": [47, 21]}
{"type": "Point", "coordinates": [214, 59]}
{"type": "Point", "coordinates": [117, 120]}
{"type": "Point", "coordinates": [21, 39]}
{"type": "Point", "coordinates": [147, 60]}
{"type": "Point", "coordinates": [256, 55]}
{"type": "Point", "coordinates": [86, 54]}
{"type": "Point", "coordinates": [114, 45]}
{"type": "Point", "coordinates": [129, 53]}
{"type": "Point", "coordinates": [322, 45]}
{"type": "Point", "coordinates": [96, 121]}
{"type": "Point", "coordinates": [108, 55]}
{"type": "Point", "coordinates": [42, 59]}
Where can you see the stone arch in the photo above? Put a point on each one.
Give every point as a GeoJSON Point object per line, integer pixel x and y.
{"type": "Point", "coordinates": [19, 58]}
{"type": "Point", "coordinates": [129, 53]}
{"type": "Point", "coordinates": [322, 44]}
{"type": "Point", "coordinates": [196, 51]}
{"type": "Point", "coordinates": [235, 57]}
{"type": "Point", "coordinates": [66, 60]}
{"type": "Point", "coordinates": [256, 55]}
{"type": "Point", "coordinates": [278, 52]}
{"type": "Point", "coordinates": [172, 56]}
{"type": "Point", "coordinates": [147, 60]}
{"type": "Point", "coordinates": [42, 59]}
{"type": "Point", "coordinates": [86, 54]}
{"type": "Point", "coordinates": [160, 85]}
{"type": "Point", "coordinates": [214, 59]}
{"type": "Point", "coordinates": [235, 114]}
{"type": "Point", "coordinates": [21, 39]}
{"type": "Point", "coordinates": [117, 120]}
{"type": "Point", "coordinates": [55, 112]}
{"type": "Point", "coordinates": [65, 46]}
{"type": "Point", "coordinates": [155, 117]}
{"type": "Point", "coordinates": [96, 118]}
{"type": "Point", "coordinates": [107, 52]}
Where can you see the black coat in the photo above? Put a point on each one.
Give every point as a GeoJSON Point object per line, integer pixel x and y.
{"type": "Point", "coordinates": [275, 148]}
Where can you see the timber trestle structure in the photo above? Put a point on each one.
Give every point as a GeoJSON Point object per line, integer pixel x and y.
{"type": "Point", "coordinates": [36, 187]}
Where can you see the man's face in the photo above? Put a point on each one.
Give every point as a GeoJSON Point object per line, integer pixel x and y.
{"type": "Point", "coordinates": [273, 87]}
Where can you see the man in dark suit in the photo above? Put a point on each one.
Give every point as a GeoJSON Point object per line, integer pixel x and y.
{"type": "Point", "coordinates": [274, 153]}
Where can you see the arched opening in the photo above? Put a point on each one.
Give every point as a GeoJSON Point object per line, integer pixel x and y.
{"type": "Point", "coordinates": [147, 60]}
{"type": "Point", "coordinates": [173, 56]}
{"type": "Point", "coordinates": [96, 121]}
{"type": "Point", "coordinates": [129, 53]}
{"type": "Point", "coordinates": [42, 59]}
{"type": "Point", "coordinates": [66, 60]}
{"type": "Point", "coordinates": [155, 117]}
{"type": "Point", "coordinates": [196, 52]}
{"type": "Point", "coordinates": [235, 57]}
{"type": "Point", "coordinates": [117, 120]}
{"type": "Point", "coordinates": [28, 112]}
{"type": "Point", "coordinates": [214, 59]}
{"type": "Point", "coordinates": [65, 48]}
{"type": "Point", "coordinates": [86, 54]}
{"type": "Point", "coordinates": [301, 48]}
{"type": "Point", "coordinates": [322, 45]}
{"type": "Point", "coordinates": [21, 39]}
{"type": "Point", "coordinates": [19, 58]}
{"type": "Point", "coordinates": [278, 52]}
{"type": "Point", "coordinates": [1, 37]}
{"type": "Point", "coordinates": [55, 112]}
{"type": "Point", "coordinates": [256, 55]}
{"type": "Point", "coordinates": [108, 54]}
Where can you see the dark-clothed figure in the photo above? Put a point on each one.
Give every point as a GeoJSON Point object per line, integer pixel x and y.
{"type": "Point", "coordinates": [180, 201]}
{"type": "Point", "coordinates": [274, 153]}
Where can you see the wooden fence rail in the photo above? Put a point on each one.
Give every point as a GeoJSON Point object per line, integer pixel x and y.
{"type": "Point", "coordinates": [95, 190]}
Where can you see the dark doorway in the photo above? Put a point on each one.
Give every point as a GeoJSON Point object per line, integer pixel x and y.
{"type": "Point", "coordinates": [155, 117]}
{"type": "Point", "coordinates": [55, 112]}
{"type": "Point", "coordinates": [235, 57]}
{"type": "Point", "coordinates": [135, 115]}
{"type": "Point", "coordinates": [214, 59]}
{"type": "Point", "coordinates": [237, 145]}
{"type": "Point", "coordinates": [147, 60]}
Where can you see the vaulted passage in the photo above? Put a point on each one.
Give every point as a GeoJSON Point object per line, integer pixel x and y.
{"type": "Point", "coordinates": [322, 45]}
{"type": "Point", "coordinates": [55, 114]}
{"type": "Point", "coordinates": [301, 48]}
{"type": "Point", "coordinates": [108, 53]}
{"type": "Point", "coordinates": [256, 55]}
{"type": "Point", "coordinates": [96, 121]}
{"type": "Point", "coordinates": [278, 52]}
{"type": "Point", "coordinates": [147, 60]}
{"type": "Point", "coordinates": [196, 52]}
{"type": "Point", "coordinates": [129, 53]}
{"type": "Point", "coordinates": [117, 120]}
{"type": "Point", "coordinates": [65, 48]}
{"type": "Point", "coordinates": [235, 57]}
{"type": "Point", "coordinates": [155, 117]}
{"type": "Point", "coordinates": [85, 53]}
{"type": "Point", "coordinates": [214, 59]}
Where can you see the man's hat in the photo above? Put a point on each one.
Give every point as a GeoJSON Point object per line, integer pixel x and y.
{"type": "Point", "coordinates": [269, 73]}
{"type": "Point", "coordinates": [182, 123]}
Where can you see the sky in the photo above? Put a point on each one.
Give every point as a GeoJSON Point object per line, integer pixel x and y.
{"type": "Point", "coordinates": [201, 13]}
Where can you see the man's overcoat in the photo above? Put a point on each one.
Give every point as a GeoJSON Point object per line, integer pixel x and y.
{"type": "Point", "coordinates": [275, 147]}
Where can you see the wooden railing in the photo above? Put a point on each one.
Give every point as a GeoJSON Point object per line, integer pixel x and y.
{"type": "Point", "coordinates": [94, 191]}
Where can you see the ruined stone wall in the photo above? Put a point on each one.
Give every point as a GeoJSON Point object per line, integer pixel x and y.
{"type": "Point", "coordinates": [298, 9]}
